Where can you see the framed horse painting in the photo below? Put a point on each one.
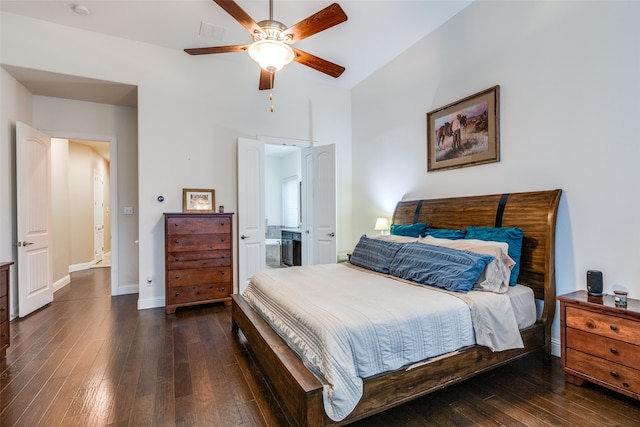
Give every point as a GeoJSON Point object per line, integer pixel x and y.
{"type": "Point", "coordinates": [464, 133]}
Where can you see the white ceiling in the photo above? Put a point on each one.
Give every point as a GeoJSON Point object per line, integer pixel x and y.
{"type": "Point", "coordinates": [375, 33]}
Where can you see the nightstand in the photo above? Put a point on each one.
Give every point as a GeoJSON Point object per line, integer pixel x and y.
{"type": "Point", "coordinates": [601, 342]}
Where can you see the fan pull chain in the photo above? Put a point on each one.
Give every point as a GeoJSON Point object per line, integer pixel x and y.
{"type": "Point", "coordinates": [271, 91]}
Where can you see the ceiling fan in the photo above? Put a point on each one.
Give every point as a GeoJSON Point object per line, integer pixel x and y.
{"type": "Point", "coordinates": [272, 40]}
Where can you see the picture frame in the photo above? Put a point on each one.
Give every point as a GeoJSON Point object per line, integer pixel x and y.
{"type": "Point", "coordinates": [476, 138]}
{"type": "Point", "coordinates": [198, 200]}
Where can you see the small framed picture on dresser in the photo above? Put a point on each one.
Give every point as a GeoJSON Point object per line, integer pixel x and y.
{"type": "Point", "coordinates": [194, 200]}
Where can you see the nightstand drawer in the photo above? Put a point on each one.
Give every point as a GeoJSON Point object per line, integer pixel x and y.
{"type": "Point", "coordinates": [614, 374]}
{"type": "Point", "coordinates": [603, 324]}
{"type": "Point", "coordinates": [4, 309]}
{"type": "Point", "coordinates": [606, 348]}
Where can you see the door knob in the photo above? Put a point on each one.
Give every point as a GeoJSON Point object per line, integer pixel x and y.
{"type": "Point", "coordinates": [244, 237]}
{"type": "Point", "coordinates": [331, 234]}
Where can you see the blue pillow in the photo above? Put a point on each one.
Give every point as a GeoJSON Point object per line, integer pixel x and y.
{"type": "Point", "coordinates": [412, 230]}
{"type": "Point", "coordinates": [512, 236]}
{"type": "Point", "coordinates": [446, 268]}
{"type": "Point", "coordinates": [374, 254]}
{"type": "Point", "coordinates": [442, 233]}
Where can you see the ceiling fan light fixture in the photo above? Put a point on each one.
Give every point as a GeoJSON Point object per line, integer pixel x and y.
{"type": "Point", "coordinates": [272, 55]}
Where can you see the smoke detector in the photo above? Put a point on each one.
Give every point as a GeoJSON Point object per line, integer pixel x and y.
{"type": "Point", "coordinates": [81, 10]}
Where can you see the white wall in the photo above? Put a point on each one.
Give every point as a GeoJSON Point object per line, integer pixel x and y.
{"type": "Point", "coordinates": [191, 110]}
{"type": "Point", "coordinates": [61, 229]}
{"type": "Point", "coordinates": [568, 107]}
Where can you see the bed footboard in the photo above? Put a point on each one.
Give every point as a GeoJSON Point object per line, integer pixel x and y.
{"type": "Point", "coordinates": [298, 390]}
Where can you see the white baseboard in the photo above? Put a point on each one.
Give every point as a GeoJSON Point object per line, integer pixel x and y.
{"type": "Point", "coordinates": [127, 289]}
{"type": "Point", "coordinates": [80, 267]}
{"type": "Point", "coordinates": [59, 284]}
{"type": "Point", "coordinates": [147, 303]}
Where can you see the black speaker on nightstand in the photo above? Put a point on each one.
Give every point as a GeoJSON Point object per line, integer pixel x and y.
{"type": "Point", "coordinates": [594, 283]}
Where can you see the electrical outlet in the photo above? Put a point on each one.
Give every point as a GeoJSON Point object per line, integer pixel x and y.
{"type": "Point", "coordinates": [128, 210]}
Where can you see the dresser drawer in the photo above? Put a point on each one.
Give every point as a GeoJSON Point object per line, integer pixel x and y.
{"type": "Point", "coordinates": [198, 242]}
{"type": "Point", "coordinates": [4, 335]}
{"type": "Point", "coordinates": [198, 276]}
{"type": "Point", "coordinates": [198, 293]}
{"type": "Point", "coordinates": [202, 259]}
{"type": "Point", "coordinates": [614, 374]}
{"type": "Point", "coordinates": [203, 225]}
{"type": "Point", "coordinates": [603, 324]}
{"type": "Point", "coordinates": [4, 283]}
{"type": "Point", "coordinates": [606, 348]}
{"type": "Point", "coordinates": [4, 308]}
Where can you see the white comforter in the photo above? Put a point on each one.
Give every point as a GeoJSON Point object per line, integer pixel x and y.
{"type": "Point", "coordinates": [347, 324]}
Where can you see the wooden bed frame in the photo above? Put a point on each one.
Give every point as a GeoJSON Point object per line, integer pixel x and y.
{"type": "Point", "coordinates": [299, 392]}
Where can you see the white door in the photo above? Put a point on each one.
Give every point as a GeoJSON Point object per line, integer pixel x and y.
{"type": "Point", "coordinates": [324, 205]}
{"type": "Point", "coordinates": [251, 210]}
{"type": "Point", "coordinates": [34, 219]}
{"type": "Point", "coordinates": [98, 217]}
{"type": "Point", "coordinates": [307, 205]}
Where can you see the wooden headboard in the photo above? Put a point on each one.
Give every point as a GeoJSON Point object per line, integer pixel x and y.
{"type": "Point", "coordinates": [533, 212]}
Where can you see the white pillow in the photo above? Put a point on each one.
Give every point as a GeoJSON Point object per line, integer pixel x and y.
{"type": "Point", "coordinates": [396, 238]}
{"type": "Point", "coordinates": [495, 277]}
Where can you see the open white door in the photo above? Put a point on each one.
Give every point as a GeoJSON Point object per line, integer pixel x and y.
{"type": "Point", "coordinates": [34, 219]}
{"type": "Point", "coordinates": [251, 210]}
{"type": "Point", "coordinates": [98, 217]}
{"type": "Point", "coordinates": [324, 205]}
{"type": "Point", "coordinates": [306, 164]}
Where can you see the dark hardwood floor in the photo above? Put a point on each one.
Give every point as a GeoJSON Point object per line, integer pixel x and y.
{"type": "Point", "coordinates": [89, 359]}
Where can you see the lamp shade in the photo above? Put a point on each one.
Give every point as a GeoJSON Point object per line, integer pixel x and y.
{"type": "Point", "coordinates": [381, 224]}
{"type": "Point", "coordinates": [272, 55]}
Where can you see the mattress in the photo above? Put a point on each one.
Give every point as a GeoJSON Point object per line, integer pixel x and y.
{"type": "Point", "coordinates": [346, 324]}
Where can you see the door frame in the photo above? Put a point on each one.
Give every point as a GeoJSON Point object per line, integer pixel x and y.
{"type": "Point", "coordinates": [113, 194]}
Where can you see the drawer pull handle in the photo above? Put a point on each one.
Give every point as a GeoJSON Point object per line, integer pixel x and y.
{"type": "Point", "coordinates": [177, 277]}
{"type": "Point", "coordinates": [613, 327]}
{"type": "Point", "coordinates": [614, 374]}
{"type": "Point", "coordinates": [590, 324]}
{"type": "Point", "coordinates": [614, 351]}
{"type": "Point", "coordinates": [177, 242]}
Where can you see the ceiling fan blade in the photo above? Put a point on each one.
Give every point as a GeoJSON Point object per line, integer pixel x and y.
{"type": "Point", "coordinates": [322, 65]}
{"type": "Point", "coordinates": [233, 9]}
{"type": "Point", "coordinates": [217, 49]}
{"type": "Point", "coordinates": [320, 21]}
{"type": "Point", "coordinates": [266, 79]}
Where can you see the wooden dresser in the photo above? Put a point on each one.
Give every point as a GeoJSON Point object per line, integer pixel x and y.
{"type": "Point", "coordinates": [601, 342]}
{"type": "Point", "coordinates": [4, 308]}
{"type": "Point", "coordinates": [198, 259]}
